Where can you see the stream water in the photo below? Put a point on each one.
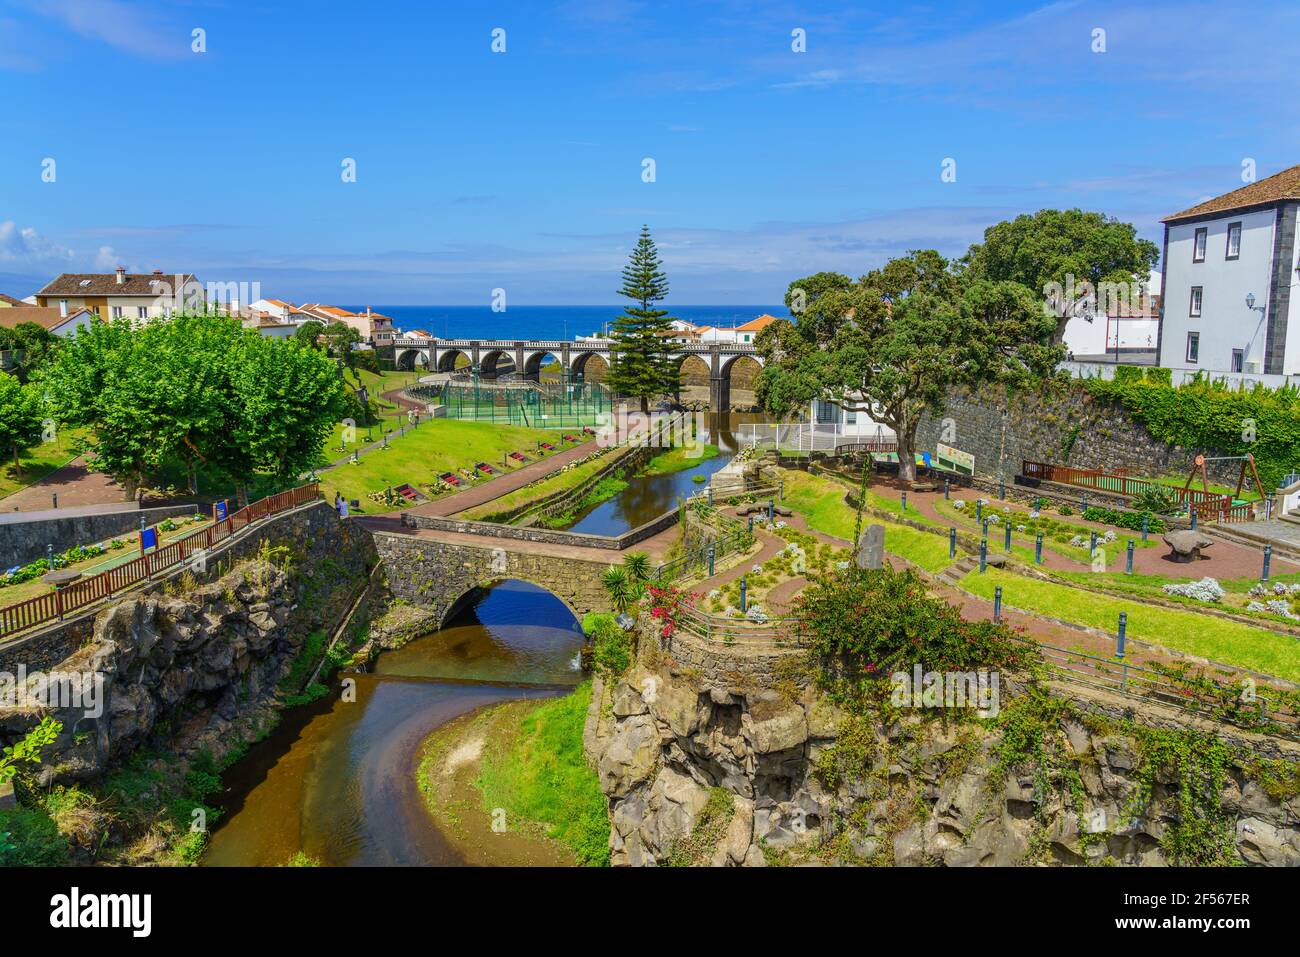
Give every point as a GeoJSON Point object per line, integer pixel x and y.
{"type": "Point", "coordinates": [336, 779]}
{"type": "Point", "coordinates": [649, 496]}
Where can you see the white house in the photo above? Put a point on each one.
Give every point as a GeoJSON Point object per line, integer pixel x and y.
{"type": "Point", "coordinates": [1229, 270]}
{"type": "Point", "coordinates": [58, 321]}
{"type": "Point", "coordinates": [118, 295]}
{"type": "Point", "coordinates": [1121, 327]}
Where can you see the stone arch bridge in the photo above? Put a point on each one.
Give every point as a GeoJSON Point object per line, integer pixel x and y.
{"type": "Point", "coordinates": [588, 359]}
{"type": "Point", "coordinates": [438, 570]}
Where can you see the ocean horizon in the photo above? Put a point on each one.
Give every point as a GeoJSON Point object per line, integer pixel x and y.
{"type": "Point", "coordinates": [546, 322]}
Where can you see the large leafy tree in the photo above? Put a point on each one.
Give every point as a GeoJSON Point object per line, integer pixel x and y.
{"type": "Point", "coordinates": [891, 344]}
{"type": "Point", "coordinates": [198, 390]}
{"type": "Point", "coordinates": [644, 357]}
{"type": "Point", "coordinates": [31, 345]}
{"type": "Point", "coordinates": [20, 417]}
{"type": "Point", "coordinates": [284, 398]}
{"type": "Point", "coordinates": [105, 381]}
{"type": "Point", "coordinates": [1051, 250]}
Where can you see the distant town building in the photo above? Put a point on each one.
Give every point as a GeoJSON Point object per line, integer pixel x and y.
{"type": "Point", "coordinates": [119, 295]}
{"type": "Point", "coordinates": [50, 318]}
{"type": "Point", "coordinates": [1230, 264]}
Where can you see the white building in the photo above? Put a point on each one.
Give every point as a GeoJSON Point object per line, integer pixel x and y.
{"type": "Point", "coordinates": [1229, 270]}
{"type": "Point", "coordinates": [123, 295]}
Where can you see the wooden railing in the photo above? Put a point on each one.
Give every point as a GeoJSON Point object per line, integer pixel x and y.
{"type": "Point", "coordinates": [54, 606]}
{"type": "Point", "coordinates": [1212, 506]}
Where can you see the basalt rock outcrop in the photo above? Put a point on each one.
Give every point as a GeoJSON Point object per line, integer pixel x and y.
{"type": "Point", "coordinates": [186, 665]}
{"type": "Point", "coordinates": [806, 783]}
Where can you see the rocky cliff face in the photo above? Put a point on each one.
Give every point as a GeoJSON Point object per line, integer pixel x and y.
{"type": "Point", "coordinates": [187, 665]}
{"type": "Point", "coordinates": [698, 771]}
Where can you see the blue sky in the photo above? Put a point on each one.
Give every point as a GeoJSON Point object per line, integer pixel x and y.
{"type": "Point", "coordinates": [523, 170]}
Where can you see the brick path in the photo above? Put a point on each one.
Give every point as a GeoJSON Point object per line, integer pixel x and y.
{"type": "Point", "coordinates": [74, 483]}
{"type": "Point", "coordinates": [1223, 560]}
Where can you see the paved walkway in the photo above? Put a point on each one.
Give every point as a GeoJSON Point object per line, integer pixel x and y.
{"type": "Point", "coordinates": [1223, 560]}
{"type": "Point", "coordinates": [74, 483]}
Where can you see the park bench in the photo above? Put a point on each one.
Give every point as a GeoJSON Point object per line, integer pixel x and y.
{"type": "Point", "coordinates": [547, 446]}
{"type": "Point", "coordinates": [485, 468]}
{"type": "Point", "coordinates": [520, 457]}
{"type": "Point", "coordinates": [449, 478]}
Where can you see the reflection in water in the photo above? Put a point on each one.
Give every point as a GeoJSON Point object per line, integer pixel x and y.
{"type": "Point", "coordinates": [649, 496]}
{"type": "Point", "coordinates": [336, 780]}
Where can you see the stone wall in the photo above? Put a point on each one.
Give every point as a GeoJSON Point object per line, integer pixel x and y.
{"type": "Point", "coordinates": [325, 545]}
{"type": "Point", "coordinates": [26, 536]}
{"type": "Point", "coordinates": [181, 663]}
{"type": "Point", "coordinates": [438, 575]}
{"type": "Point", "coordinates": [491, 530]}
{"type": "Point", "coordinates": [802, 782]}
{"type": "Point", "coordinates": [1000, 435]}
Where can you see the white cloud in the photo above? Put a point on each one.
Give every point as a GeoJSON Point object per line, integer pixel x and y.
{"type": "Point", "coordinates": [25, 248]}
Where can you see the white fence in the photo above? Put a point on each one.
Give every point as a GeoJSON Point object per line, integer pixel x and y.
{"type": "Point", "coordinates": [807, 436]}
{"type": "Point", "coordinates": [1236, 380]}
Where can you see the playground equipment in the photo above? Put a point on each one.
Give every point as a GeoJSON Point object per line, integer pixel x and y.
{"type": "Point", "coordinates": [1247, 462]}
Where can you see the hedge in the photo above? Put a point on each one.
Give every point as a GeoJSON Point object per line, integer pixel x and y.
{"type": "Point", "coordinates": [1204, 415]}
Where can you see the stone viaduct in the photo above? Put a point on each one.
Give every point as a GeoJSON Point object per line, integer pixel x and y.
{"type": "Point", "coordinates": [588, 359]}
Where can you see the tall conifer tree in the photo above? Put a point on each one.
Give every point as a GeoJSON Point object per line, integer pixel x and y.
{"type": "Point", "coordinates": [644, 356]}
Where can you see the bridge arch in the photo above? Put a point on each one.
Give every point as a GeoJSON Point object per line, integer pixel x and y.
{"type": "Point", "coordinates": [457, 604]}
{"type": "Point", "coordinates": [449, 360]}
{"type": "Point", "coordinates": [535, 362]}
{"type": "Point", "coordinates": [411, 359]}
{"type": "Point", "coordinates": [495, 363]}
{"type": "Point", "coordinates": [739, 374]}
{"type": "Point", "coordinates": [591, 366]}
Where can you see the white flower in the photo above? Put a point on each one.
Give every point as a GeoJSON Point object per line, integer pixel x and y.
{"type": "Point", "coordinates": [958, 504]}
{"type": "Point", "coordinates": [1207, 590]}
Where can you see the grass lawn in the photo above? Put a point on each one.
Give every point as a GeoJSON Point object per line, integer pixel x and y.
{"type": "Point", "coordinates": [545, 778]}
{"type": "Point", "coordinates": [1204, 635]}
{"type": "Point", "coordinates": [390, 414]}
{"type": "Point", "coordinates": [419, 456]}
{"type": "Point", "coordinates": [821, 501]}
{"type": "Point", "coordinates": [679, 459]}
{"type": "Point", "coordinates": [38, 462]}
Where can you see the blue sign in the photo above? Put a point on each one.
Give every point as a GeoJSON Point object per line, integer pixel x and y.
{"type": "Point", "coordinates": [220, 510]}
{"type": "Point", "coordinates": [148, 538]}
{"type": "Point", "coordinates": [926, 457]}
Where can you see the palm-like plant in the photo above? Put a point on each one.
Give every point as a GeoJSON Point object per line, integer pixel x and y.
{"type": "Point", "coordinates": [637, 567]}
{"type": "Point", "coordinates": [617, 586]}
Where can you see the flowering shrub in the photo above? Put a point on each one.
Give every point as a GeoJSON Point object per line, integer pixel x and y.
{"type": "Point", "coordinates": [664, 604]}
{"type": "Point", "coordinates": [1207, 590]}
{"type": "Point", "coordinates": [873, 622]}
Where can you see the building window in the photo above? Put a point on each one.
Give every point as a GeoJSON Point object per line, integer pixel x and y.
{"type": "Point", "coordinates": [1194, 307]}
{"type": "Point", "coordinates": [142, 312]}
{"type": "Point", "coordinates": [850, 417]}
{"type": "Point", "coordinates": [1193, 346]}
{"type": "Point", "coordinates": [1234, 241]}
{"type": "Point", "coordinates": [117, 312]}
{"type": "Point", "coordinates": [826, 412]}
{"type": "Point", "coordinates": [1198, 244]}
{"type": "Point", "coordinates": [1238, 360]}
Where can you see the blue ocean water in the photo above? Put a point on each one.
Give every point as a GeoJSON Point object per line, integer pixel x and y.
{"type": "Point", "coordinates": [547, 322]}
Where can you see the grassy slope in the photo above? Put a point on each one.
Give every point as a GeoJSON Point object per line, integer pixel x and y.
{"type": "Point", "coordinates": [821, 501]}
{"type": "Point", "coordinates": [37, 462]}
{"type": "Point", "coordinates": [545, 778]}
{"type": "Point", "coordinates": [436, 446]}
{"type": "Point", "coordinates": [678, 460]}
{"type": "Point", "coordinates": [555, 483]}
{"type": "Point", "coordinates": [1203, 635]}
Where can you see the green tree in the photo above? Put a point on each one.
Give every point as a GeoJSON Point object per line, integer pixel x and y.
{"type": "Point", "coordinates": [20, 417]}
{"type": "Point", "coordinates": [1053, 250]}
{"type": "Point", "coordinates": [892, 344]}
{"type": "Point", "coordinates": [104, 380]}
{"type": "Point", "coordinates": [310, 332]}
{"type": "Point", "coordinates": [32, 346]}
{"type": "Point", "coordinates": [644, 357]}
{"type": "Point", "coordinates": [284, 399]}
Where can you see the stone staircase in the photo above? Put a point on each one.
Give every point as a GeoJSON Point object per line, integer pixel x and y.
{"type": "Point", "coordinates": [958, 570]}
